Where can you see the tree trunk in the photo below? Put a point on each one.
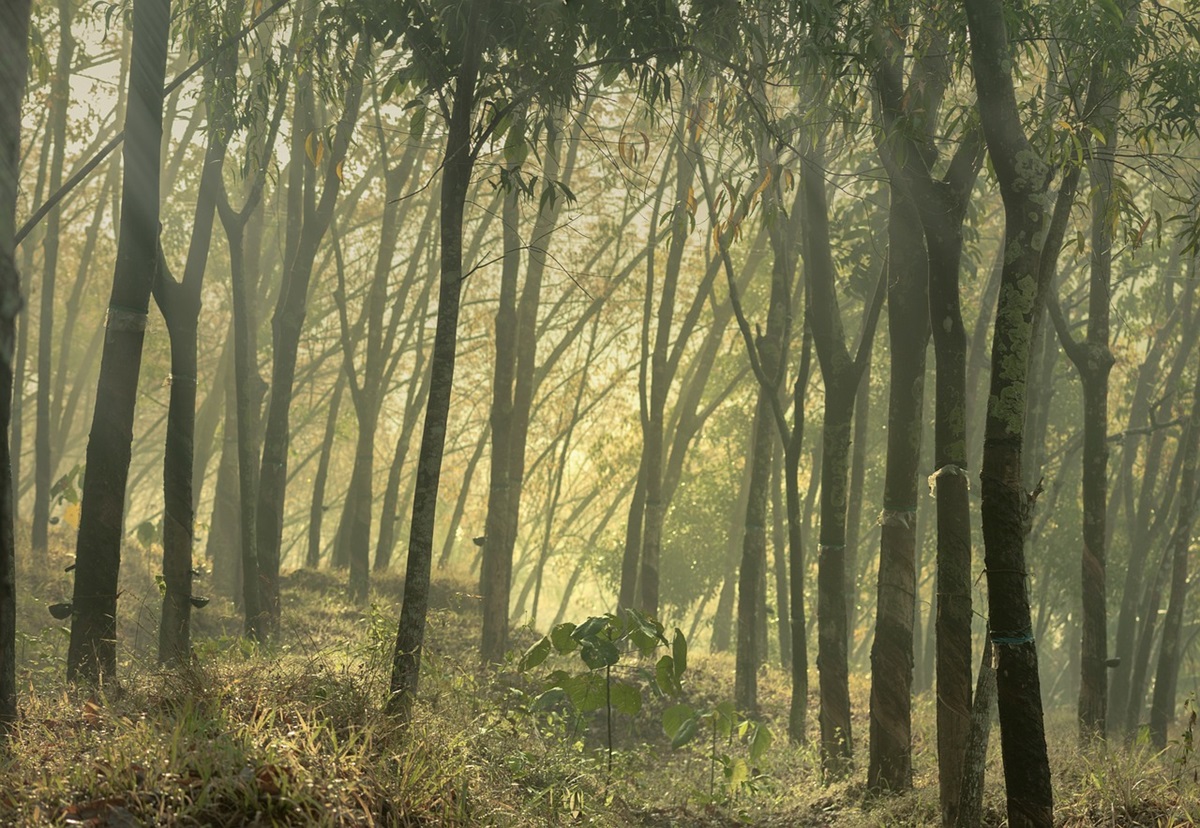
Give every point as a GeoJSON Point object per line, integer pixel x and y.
{"type": "Point", "coordinates": [418, 390]}
{"type": "Point", "coordinates": [779, 546]}
{"type": "Point", "coordinates": [842, 375]}
{"type": "Point", "coordinates": [890, 762]}
{"type": "Point", "coordinates": [223, 549]}
{"type": "Point", "coordinates": [1006, 506]}
{"type": "Point", "coordinates": [1139, 419]}
{"type": "Point", "coordinates": [14, 27]}
{"type": "Point", "coordinates": [495, 579]}
{"type": "Point", "coordinates": [179, 303]}
{"type": "Point", "coordinates": [456, 178]}
{"type": "Point", "coordinates": [854, 507]}
{"type": "Point", "coordinates": [1162, 707]}
{"type": "Point", "coordinates": [316, 512]}
{"type": "Point", "coordinates": [60, 100]}
{"type": "Point", "coordinates": [92, 655]}
{"type": "Point", "coordinates": [969, 808]}
{"type": "Point", "coordinates": [286, 326]}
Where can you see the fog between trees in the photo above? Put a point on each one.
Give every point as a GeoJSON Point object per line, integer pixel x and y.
{"type": "Point", "coordinates": [854, 338]}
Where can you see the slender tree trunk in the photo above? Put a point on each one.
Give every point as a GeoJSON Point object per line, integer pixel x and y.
{"type": "Point", "coordinates": [418, 390]}
{"type": "Point", "coordinates": [779, 541]}
{"type": "Point", "coordinates": [969, 810]}
{"type": "Point", "coordinates": [495, 579]}
{"type": "Point", "coordinates": [60, 100]}
{"type": "Point", "coordinates": [223, 549]}
{"type": "Point", "coordinates": [179, 303]}
{"type": "Point", "coordinates": [798, 709]}
{"type": "Point", "coordinates": [1006, 505]}
{"type": "Point", "coordinates": [722, 635]}
{"type": "Point", "coordinates": [316, 512]}
{"type": "Point", "coordinates": [842, 375]}
{"type": "Point", "coordinates": [249, 389]}
{"type": "Point", "coordinates": [457, 167]}
{"type": "Point", "coordinates": [1162, 707]}
{"type": "Point", "coordinates": [14, 26]}
{"type": "Point", "coordinates": [92, 653]}
{"type": "Point", "coordinates": [890, 762]}
{"type": "Point", "coordinates": [953, 600]}
{"type": "Point", "coordinates": [286, 326]}
{"type": "Point", "coordinates": [854, 507]}
{"type": "Point", "coordinates": [1140, 419]}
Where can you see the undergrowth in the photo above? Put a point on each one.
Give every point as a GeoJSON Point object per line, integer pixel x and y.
{"type": "Point", "coordinates": [295, 734]}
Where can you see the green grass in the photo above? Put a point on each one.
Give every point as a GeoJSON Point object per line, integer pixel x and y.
{"type": "Point", "coordinates": [295, 735]}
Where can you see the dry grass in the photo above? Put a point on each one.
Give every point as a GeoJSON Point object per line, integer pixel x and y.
{"type": "Point", "coordinates": [295, 735]}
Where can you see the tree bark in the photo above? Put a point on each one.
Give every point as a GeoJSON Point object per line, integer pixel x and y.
{"type": "Point", "coordinates": [92, 655]}
{"type": "Point", "coordinates": [457, 167]}
{"type": "Point", "coordinates": [1006, 506]}
{"type": "Point", "coordinates": [286, 326]}
{"type": "Point", "coordinates": [60, 101]}
{"type": "Point", "coordinates": [1162, 706]}
{"type": "Point", "coordinates": [890, 760]}
{"type": "Point", "coordinates": [14, 27]}
{"type": "Point", "coordinates": [842, 375]}
{"type": "Point", "coordinates": [316, 512]}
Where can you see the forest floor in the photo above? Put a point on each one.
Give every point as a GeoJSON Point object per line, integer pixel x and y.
{"type": "Point", "coordinates": [295, 734]}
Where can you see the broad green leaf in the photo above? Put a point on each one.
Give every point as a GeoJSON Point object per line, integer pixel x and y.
{"type": "Point", "coordinates": [687, 732]}
{"type": "Point", "coordinates": [679, 652]}
{"type": "Point", "coordinates": [535, 655]}
{"type": "Point", "coordinates": [737, 773]}
{"type": "Point", "coordinates": [666, 676]}
{"type": "Point", "coordinates": [590, 628]}
{"type": "Point", "coordinates": [561, 638]}
{"type": "Point", "coordinates": [626, 698]}
{"type": "Point", "coordinates": [760, 742]}
{"type": "Point", "coordinates": [675, 717]}
{"type": "Point", "coordinates": [724, 715]}
{"type": "Point", "coordinates": [598, 653]}
{"type": "Point", "coordinates": [586, 691]}
{"type": "Point", "coordinates": [552, 697]}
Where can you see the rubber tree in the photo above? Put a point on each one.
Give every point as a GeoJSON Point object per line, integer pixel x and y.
{"type": "Point", "coordinates": [543, 45]}
{"type": "Point", "coordinates": [92, 655]}
{"type": "Point", "coordinates": [767, 354]}
{"type": "Point", "coordinates": [841, 372]}
{"type": "Point", "coordinates": [309, 218]}
{"type": "Point", "coordinates": [940, 204]}
{"type": "Point", "coordinates": [179, 302]}
{"type": "Point", "coordinates": [60, 102]}
{"type": "Point", "coordinates": [369, 369]}
{"type": "Point", "coordinates": [1143, 427]}
{"type": "Point", "coordinates": [512, 391]}
{"type": "Point", "coordinates": [1170, 654]}
{"type": "Point", "coordinates": [1005, 504]}
{"type": "Point", "coordinates": [14, 26]}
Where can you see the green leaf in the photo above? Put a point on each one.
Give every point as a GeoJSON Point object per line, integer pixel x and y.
{"type": "Point", "coordinates": [626, 698]}
{"type": "Point", "coordinates": [552, 697]}
{"type": "Point", "coordinates": [737, 773]}
{"type": "Point", "coordinates": [679, 652]}
{"type": "Point", "coordinates": [516, 149]}
{"type": "Point", "coordinates": [675, 717]}
{"type": "Point", "coordinates": [416, 124]}
{"type": "Point", "coordinates": [599, 653]}
{"type": "Point", "coordinates": [590, 628]}
{"type": "Point", "coordinates": [760, 742]}
{"type": "Point", "coordinates": [586, 691]}
{"type": "Point", "coordinates": [535, 655]}
{"type": "Point", "coordinates": [146, 533]}
{"type": "Point", "coordinates": [666, 676]}
{"type": "Point", "coordinates": [687, 732]}
{"type": "Point", "coordinates": [724, 716]}
{"type": "Point", "coordinates": [561, 638]}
